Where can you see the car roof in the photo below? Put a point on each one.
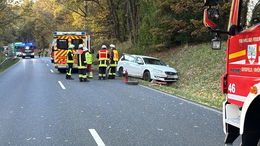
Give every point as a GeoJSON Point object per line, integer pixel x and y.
{"type": "Point", "coordinates": [142, 56]}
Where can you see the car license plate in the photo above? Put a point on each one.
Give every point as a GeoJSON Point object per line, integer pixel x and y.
{"type": "Point", "coordinates": [27, 51]}
{"type": "Point", "coordinates": [174, 76]}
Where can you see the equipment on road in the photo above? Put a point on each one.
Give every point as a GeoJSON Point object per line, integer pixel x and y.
{"type": "Point", "coordinates": [126, 79]}
{"type": "Point", "coordinates": [241, 81]}
{"type": "Point", "coordinates": [61, 42]}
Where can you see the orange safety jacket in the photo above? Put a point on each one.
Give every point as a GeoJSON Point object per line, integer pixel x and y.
{"type": "Point", "coordinates": [103, 55]}
{"type": "Point", "coordinates": [115, 56]}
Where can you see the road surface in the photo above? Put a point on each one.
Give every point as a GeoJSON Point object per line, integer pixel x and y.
{"type": "Point", "coordinates": [40, 108]}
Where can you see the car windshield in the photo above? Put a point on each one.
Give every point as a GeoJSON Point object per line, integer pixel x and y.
{"type": "Point", "coordinates": [153, 61]}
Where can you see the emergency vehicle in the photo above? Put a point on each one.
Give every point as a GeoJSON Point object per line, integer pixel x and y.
{"type": "Point", "coordinates": [28, 49]}
{"type": "Point", "coordinates": [241, 81]}
{"type": "Point", "coordinates": [61, 41]}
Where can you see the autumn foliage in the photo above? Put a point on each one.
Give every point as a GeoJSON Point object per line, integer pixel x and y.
{"type": "Point", "coordinates": [151, 24]}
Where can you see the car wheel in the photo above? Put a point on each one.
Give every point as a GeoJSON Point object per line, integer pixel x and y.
{"type": "Point", "coordinates": [23, 57]}
{"type": "Point", "coordinates": [147, 76]}
{"type": "Point", "coordinates": [120, 72]}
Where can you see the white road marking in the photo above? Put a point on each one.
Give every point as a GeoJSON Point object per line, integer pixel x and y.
{"type": "Point", "coordinates": [96, 137]}
{"type": "Point", "coordinates": [62, 86]}
{"type": "Point", "coordinates": [51, 70]}
{"type": "Point", "coordinates": [186, 100]}
{"type": "Point", "coordinates": [47, 64]}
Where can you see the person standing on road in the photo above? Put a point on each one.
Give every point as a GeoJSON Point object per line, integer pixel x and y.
{"type": "Point", "coordinates": [89, 61]}
{"type": "Point", "coordinates": [39, 52]}
{"type": "Point", "coordinates": [70, 62]}
{"type": "Point", "coordinates": [81, 56]}
{"type": "Point", "coordinates": [46, 52]}
{"type": "Point", "coordinates": [102, 56]}
{"type": "Point", "coordinates": [113, 62]}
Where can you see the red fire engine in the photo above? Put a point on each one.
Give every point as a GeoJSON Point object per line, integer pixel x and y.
{"type": "Point", "coordinates": [241, 81]}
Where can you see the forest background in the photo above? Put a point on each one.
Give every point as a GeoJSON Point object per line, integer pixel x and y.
{"type": "Point", "coordinates": [140, 25]}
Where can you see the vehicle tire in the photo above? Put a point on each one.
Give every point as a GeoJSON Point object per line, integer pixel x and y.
{"type": "Point", "coordinates": [23, 57]}
{"type": "Point", "coordinates": [120, 72]}
{"type": "Point", "coordinates": [32, 56]}
{"type": "Point", "coordinates": [147, 76]}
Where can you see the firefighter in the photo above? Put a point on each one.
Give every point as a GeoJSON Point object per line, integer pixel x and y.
{"type": "Point", "coordinates": [89, 61]}
{"type": "Point", "coordinates": [39, 52]}
{"type": "Point", "coordinates": [103, 56]}
{"type": "Point", "coordinates": [113, 62]}
{"type": "Point", "coordinates": [70, 62]}
{"type": "Point", "coordinates": [81, 56]}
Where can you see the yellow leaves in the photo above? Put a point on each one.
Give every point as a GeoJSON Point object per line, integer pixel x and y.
{"type": "Point", "coordinates": [78, 21]}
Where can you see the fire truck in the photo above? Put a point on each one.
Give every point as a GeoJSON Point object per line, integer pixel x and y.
{"type": "Point", "coordinates": [61, 42]}
{"type": "Point", "coordinates": [241, 80]}
{"type": "Point", "coordinates": [28, 49]}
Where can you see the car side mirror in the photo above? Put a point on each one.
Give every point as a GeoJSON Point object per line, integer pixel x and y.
{"type": "Point", "coordinates": [140, 62]}
{"type": "Point", "coordinates": [211, 18]}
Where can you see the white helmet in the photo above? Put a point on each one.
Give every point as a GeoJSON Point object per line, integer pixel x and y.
{"type": "Point", "coordinates": [104, 47]}
{"type": "Point", "coordinates": [71, 46]}
{"type": "Point", "coordinates": [80, 45]}
{"type": "Point", "coordinates": [85, 48]}
{"type": "Point", "coordinates": [112, 46]}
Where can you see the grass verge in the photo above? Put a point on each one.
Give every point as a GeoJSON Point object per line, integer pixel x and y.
{"type": "Point", "coordinates": [200, 70]}
{"type": "Point", "coordinates": [7, 64]}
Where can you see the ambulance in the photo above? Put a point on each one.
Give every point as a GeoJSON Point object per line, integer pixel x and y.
{"type": "Point", "coordinates": [61, 42]}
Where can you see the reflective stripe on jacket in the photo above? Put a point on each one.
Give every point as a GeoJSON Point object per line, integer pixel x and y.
{"type": "Point", "coordinates": [81, 61]}
{"type": "Point", "coordinates": [70, 56]}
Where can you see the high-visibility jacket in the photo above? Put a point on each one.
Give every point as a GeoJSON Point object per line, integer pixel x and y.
{"type": "Point", "coordinates": [89, 58]}
{"type": "Point", "coordinates": [70, 56]}
{"type": "Point", "coordinates": [103, 54]}
{"type": "Point", "coordinates": [82, 60]}
{"type": "Point", "coordinates": [115, 56]}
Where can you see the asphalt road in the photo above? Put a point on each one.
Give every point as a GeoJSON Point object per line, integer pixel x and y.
{"type": "Point", "coordinates": [38, 110]}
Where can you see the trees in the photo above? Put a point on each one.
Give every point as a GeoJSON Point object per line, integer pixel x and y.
{"type": "Point", "coordinates": [156, 24]}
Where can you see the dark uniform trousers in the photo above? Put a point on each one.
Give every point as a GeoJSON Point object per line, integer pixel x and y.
{"type": "Point", "coordinates": [82, 68]}
{"type": "Point", "coordinates": [69, 69]}
{"type": "Point", "coordinates": [112, 69]}
{"type": "Point", "coordinates": [102, 69]}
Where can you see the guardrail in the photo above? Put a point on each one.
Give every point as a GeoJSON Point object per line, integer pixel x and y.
{"type": "Point", "coordinates": [6, 59]}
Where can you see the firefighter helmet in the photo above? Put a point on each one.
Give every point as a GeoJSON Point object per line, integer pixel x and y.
{"type": "Point", "coordinates": [112, 46]}
{"type": "Point", "coordinates": [71, 46]}
{"type": "Point", "coordinates": [80, 46]}
{"type": "Point", "coordinates": [103, 47]}
{"type": "Point", "coordinates": [85, 48]}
